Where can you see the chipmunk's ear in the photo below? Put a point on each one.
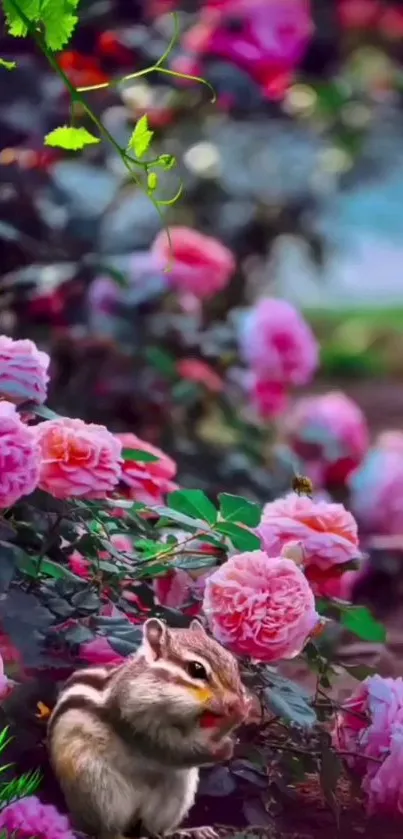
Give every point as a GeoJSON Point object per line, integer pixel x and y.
{"type": "Point", "coordinates": [196, 626]}
{"type": "Point", "coordinates": [154, 638]}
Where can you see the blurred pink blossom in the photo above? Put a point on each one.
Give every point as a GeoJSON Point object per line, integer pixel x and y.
{"type": "Point", "coordinates": [29, 818]}
{"type": "Point", "coordinates": [376, 491]}
{"type": "Point", "coordinates": [200, 264]}
{"type": "Point", "coordinates": [147, 483]}
{"type": "Point", "coordinates": [78, 459]}
{"type": "Point", "coordinates": [196, 370]}
{"type": "Point", "coordinates": [329, 433]}
{"type": "Point", "coordinates": [20, 457]}
{"type": "Point", "coordinates": [260, 606]}
{"type": "Point", "coordinates": [23, 371]}
{"type": "Point", "coordinates": [267, 397]}
{"type": "Point", "coordinates": [370, 728]}
{"type": "Point", "coordinates": [327, 532]}
{"type": "Point", "coordinates": [277, 343]}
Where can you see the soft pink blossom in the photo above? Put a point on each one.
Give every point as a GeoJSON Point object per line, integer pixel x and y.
{"type": "Point", "coordinates": [370, 728]}
{"type": "Point", "coordinates": [391, 440]}
{"type": "Point", "coordinates": [260, 607]}
{"type": "Point", "coordinates": [327, 532]}
{"type": "Point", "coordinates": [267, 397]}
{"type": "Point", "coordinates": [196, 370]}
{"type": "Point", "coordinates": [23, 371]}
{"type": "Point", "coordinates": [376, 492]}
{"type": "Point", "coordinates": [29, 818]}
{"type": "Point", "coordinates": [147, 483]}
{"type": "Point", "coordinates": [277, 343]}
{"type": "Point", "coordinates": [329, 433]}
{"type": "Point", "coordinates": [198, 264]}
{"type": "Point", "coordinates": [78, 459]}
{"type": "Point", "coordinates": [19, 457]}
{"type": "Point", "coordinates": [4, 682]}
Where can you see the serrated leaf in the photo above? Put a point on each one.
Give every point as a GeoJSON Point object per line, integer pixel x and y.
{"type": "Point", "coordinates": [288, 700]}
{"type": "Point", "coordinates": [16, 26]}
{"type": "Point", "coordinates": [59, 22]}
{"type": "Point", "coordinates": [241, 538]}
{"type": "Point", "coordinates": [358, 619]}
{"type": "Point", "coordinates": [29, 565]}
{"type": "Point", "coordinates": [168, 515]}
{"type": "Point", "coordinates": [193, 563]}
{"type": "Point", "coordinates": [139, 455]}
{"type": "Point", "coordinates": [8, 65]}
{"type": "Point", "coordinates": [70, 138]}
{"type": "Point", "coordinates": [193, 502]}
{"type": "Point", "coordinates": [237, 509]}
{"type": "Point", "coordinates": [141, 137]}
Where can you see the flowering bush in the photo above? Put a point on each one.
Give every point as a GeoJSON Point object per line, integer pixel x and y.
{"type": "Point", "coordinates": [376, 491]}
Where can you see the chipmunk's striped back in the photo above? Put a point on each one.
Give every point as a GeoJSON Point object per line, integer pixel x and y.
{"type": "Point", "coordinates": [85, 690]}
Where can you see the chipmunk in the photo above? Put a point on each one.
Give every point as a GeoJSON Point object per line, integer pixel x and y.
{"type": "Point", "coordinates": [126, 743]}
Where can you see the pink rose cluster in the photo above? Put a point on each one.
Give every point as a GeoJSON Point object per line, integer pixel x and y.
{"type": "Point", "coordinates": [147, 483]}
{"type": "Point", "coordinates": [376, 488]}
{"type": "Point", "coordinates": [281, 351]}
{"type": "Point", "coordinates": [329, 434]}
{"type": "Point", "coordinates": [199, 265]}
{"type": "Point", "coordinates": [327, 534]}
{"type": "Point", "coordinates": [260, 606]}
{"type": "Point", "coordinates": [23, 371]}
{"type": "Point", "coordinates": [29, 818]}
{"type": "Point", "coordinates": [370, 728]}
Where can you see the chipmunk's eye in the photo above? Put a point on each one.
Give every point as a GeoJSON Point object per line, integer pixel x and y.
{"type": "Point", "coordinates": [196, 670]}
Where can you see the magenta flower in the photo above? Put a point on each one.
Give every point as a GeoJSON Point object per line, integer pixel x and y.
{"type": "Point", "coordinates": [277, 343]}
{"type": "Point", "coordinates": [23, 371]}
{"type": "Point", "coordinates": [200, 265]}
{"type": "Point", "coordinates": [19, 457]}
{"type": "Point", "coordinates": [29, 818]}
{"type": "Point", "coordinates": [370, 728]}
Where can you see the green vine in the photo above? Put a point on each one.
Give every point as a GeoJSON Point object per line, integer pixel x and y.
{"type": "Point", "coordinates": [51, 24]}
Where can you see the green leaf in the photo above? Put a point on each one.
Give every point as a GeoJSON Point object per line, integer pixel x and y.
{"type": "Point", "coordinates": [29, 566]}
{"type": "Point", "coordinates": [359, 671]}
{"type": "Point", "coordinates": [193, 502]}
{"type": "Point", "coordinates": [141, 137]}
{"type": "Point", "coordinates": [358, 619]}
{"type": "Point", "coordinates": [166, 161]}
{"type": "Point", "coordinates": [72, 139]}
{"type": "Point", "coordinates": [167, 516]}
{"type": "Point", "coordinates": [152, 181]}
{"type": "Point", "coordinates": [139, 456]}
{"type": "Point", "coordinates": [238, 509]}
{"type": "Point", "coordinates": [162, 361]}
{"type": "Point", "coordinates": [190, 563]}
{"type": "Point", "coordinates": [241, 538]}
{"type": "Point", "coordinates": [16, 25]}
{"type": "Point", "coordinates": [8, 65]}
{"type": "Point", "coordinates": [288, 700]}
{"type": "Point", "coordinates": [59, 22]}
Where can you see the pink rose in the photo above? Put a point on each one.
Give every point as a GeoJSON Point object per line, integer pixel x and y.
{"type": "Point", "coordinates": [327, 532]}
{"type": "Point", "coordinates": [19, 457]}
{"type": "Point", "coordinates": [23, 371]}
{"type": "Point", "coordinates": [268, 398]}
{"type": "Point", "coordinates": [370, 727]}
{"type": "Point", "coordinates": [329, 433]}
{"type": "Point", "coordinates": [376, 492]}
{"type": "Point", "coordinates": [260, 607]}
{"type": "Point", "coordinates": [201, 264]}
{"type": "Point", "coordinates": [28, 817]}
{"type": "Point", "coordinates": [277, 343]}
{"type": "Point", "coordinates": [195, 370]}
{"type": "Point", "coordinates": [147, 483]}
{"type": "Point", "coordinates": [78, 459]}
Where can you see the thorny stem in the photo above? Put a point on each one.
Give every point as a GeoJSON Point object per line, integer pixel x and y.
{"type": "Point", "coordinates": [46, 545]}
{"type": "Point", "coordinates": [315, 753]}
